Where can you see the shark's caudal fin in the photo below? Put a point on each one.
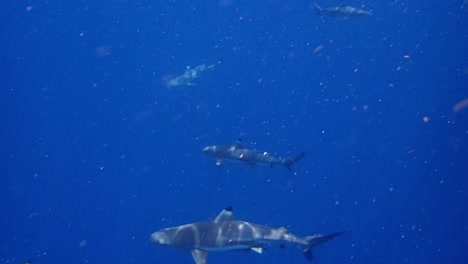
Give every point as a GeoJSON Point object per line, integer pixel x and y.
{"type": "Point", "coordinates": [316, 240]}
{"type": "Point", "coordinates": [288, 162]}
{"type": "Point", "coordinates": [317, 7]}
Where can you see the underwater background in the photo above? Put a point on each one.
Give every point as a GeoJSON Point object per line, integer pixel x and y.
{"type": "Point", "coordinates": [96, 152]}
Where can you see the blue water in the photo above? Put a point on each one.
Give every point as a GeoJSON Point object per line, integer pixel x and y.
{"type": "Point", "coordinates": [96, 153]}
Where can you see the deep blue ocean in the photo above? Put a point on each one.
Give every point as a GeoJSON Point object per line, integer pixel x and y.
{"type": "Point", "coordinates": [97, 153]}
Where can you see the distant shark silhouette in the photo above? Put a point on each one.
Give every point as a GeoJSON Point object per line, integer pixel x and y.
{"type": "Point", "coordinates": [342, 10]}
{"type": "Point", "coordinates": [236, 152]}
{"type": "Point", "coordinates": [190, 74]}
{"type": "Point", "coordinates": [227, 234]}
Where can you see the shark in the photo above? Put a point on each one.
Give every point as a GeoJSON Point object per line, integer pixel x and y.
{"type": "Point", "coordinates": [224, 233]}
{"type": "Point", "coordinates": [237, 153]}
{"type": "Point", "coordinates": [190, 74]}
{"type": "Point", "coordinates": [342, 10]}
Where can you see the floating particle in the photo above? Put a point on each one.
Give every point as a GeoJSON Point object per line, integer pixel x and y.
{"type": "Point", "coordinates": [82, 243]}
{"type": "Point", "coordinates": [318, 49]}
{"type": "Point", "coordinates": [460, 105]}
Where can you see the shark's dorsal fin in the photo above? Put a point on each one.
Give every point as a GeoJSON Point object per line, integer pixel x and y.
{"type": "Point", "coordinates": [259, 250]}
{"type": "Point", "coordinates": [239, 144]}
{"type": "Point", "coordinates": [343, 4]}
{"type": "Point", "coordinates": [199, 256]}
{"type": "Point", "coordinates": [225, 215]}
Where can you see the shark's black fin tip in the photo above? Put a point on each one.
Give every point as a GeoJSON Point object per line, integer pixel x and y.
{"type": "Point", "coordinates": [308, 254]}
{"type": "Point", "coordinates": [229, 208]}
{"type": "Point", "coordinates": [340, 233]}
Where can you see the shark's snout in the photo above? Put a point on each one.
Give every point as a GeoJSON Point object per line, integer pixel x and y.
{"type": "Point", "coordinates": [209, 149]}
{"type": "Point", "coordinates": [159, 238]}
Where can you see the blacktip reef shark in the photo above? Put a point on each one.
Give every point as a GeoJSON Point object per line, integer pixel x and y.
{"type": "Point", "coordinates": [342, 10]}
{"type": "Point", "coordinates": [236, 152]}
{"type": "Point", "coordinates": [226, 234]}
{"type": "Point", "coordinates": [189, 75]}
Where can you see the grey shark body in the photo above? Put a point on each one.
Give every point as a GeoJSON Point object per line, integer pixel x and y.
{"type": "Point", "coordinates": [237, 153]}
{"type": "Point", "coordinates": [190, 74]}
{"type": "Point", "coordinates": [342, 10]}
{"type": "Point", "coordinates": [226, 234]}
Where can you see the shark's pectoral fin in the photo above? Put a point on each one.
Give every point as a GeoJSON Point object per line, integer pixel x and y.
{"type": "Point", "coordinates": [199, 256]}
{"type": "Point", "coordinates": [259, 250]}
{"type": "Point", "coordinates": [219, 162]}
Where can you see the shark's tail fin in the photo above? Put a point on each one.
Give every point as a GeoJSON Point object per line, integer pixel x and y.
{"type": "Point", "coordinates": [288, 162]}
{"type": "Point", "coordinates": [317, 7]}
{"type": "Point", "coordinates": [316, 240]}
